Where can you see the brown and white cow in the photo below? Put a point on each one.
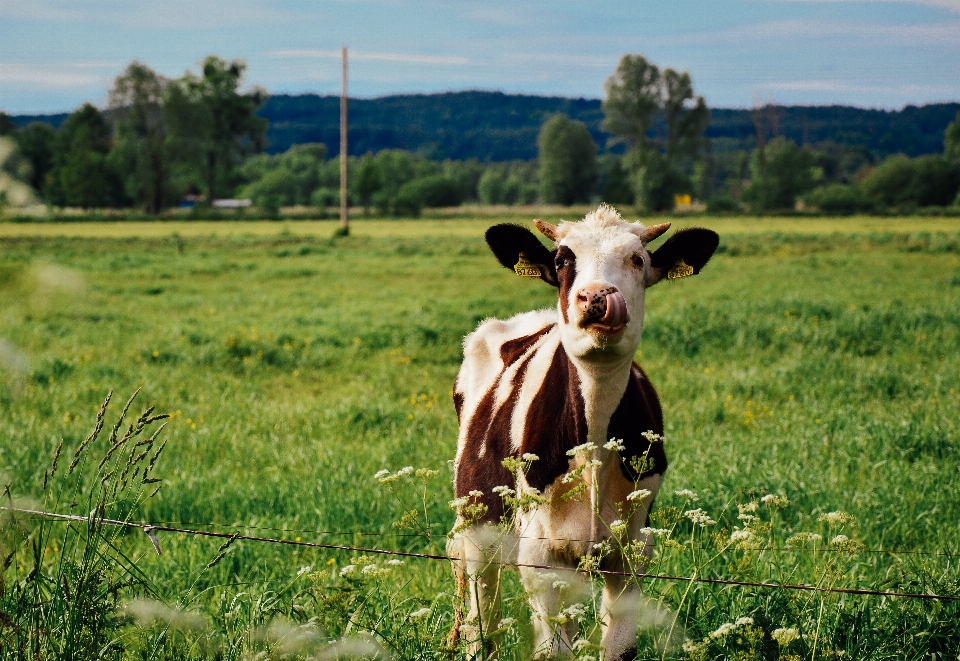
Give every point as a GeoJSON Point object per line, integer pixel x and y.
{"type": "Point", "coordinates": [542, 383]}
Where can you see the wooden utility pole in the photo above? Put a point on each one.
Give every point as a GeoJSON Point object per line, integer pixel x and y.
{"type": "Point", "coordinates": [344, 221]}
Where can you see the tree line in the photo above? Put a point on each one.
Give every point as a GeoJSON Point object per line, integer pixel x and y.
{"type": "Point", "coordinates": [160, 140]}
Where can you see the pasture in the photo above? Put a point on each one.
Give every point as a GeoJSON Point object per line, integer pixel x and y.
{"type": "Point", "coordinates": [815, 360]}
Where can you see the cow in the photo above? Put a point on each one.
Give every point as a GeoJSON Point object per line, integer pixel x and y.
{"type": "Point", "coordinates": [551, 394]}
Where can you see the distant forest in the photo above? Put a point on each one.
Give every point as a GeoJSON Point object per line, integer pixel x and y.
{"type": "Point", "coordinates": [497, 127]}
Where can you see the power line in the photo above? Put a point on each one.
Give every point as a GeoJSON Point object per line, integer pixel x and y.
{"type": "Point", "coordinates": [151, 531]}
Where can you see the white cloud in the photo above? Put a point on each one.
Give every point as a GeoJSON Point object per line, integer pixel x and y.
{"type": "Point", "coordinates": [153, 14]}
{"type": "Point", "coordinates": [368, 56]}
{"type": "Point", "coordinates": [944, 90]}
{"type": "Point", "coordinates": [922, 34]}
{"type": "Point", "coordinates": [949, 5]}
{"type": "Point", "coordinates": [59, 75]}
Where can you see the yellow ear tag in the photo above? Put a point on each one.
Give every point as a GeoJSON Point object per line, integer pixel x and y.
{"type": "Point", "coordinates": [526, 269]}
{"type": "Point", "coordinates": [680, 270]}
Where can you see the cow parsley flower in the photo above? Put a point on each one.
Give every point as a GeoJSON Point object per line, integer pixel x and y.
{"type": "Point", "coordinates": [379, 475]}
{"type": "Point", "coordinates": [560, 585]}
{"type": "Point", "coordinates": [574, 611]}
{"type": "Point", "coordinates": [723, 630]}
{"type": "Point", "coordinates": [743, 622]}
{"type": "Point", "coordinates": [784, 636]}
{"type": "Point", "coordinates": [744, 536]}
{"type": "Point", "coordinates": [686, 493]}
{"type": "Point", "coordinates": [654, 531]}
{"type": "Point", "coordinates": [839, 540]}
{"type": "Point", "coordinates": [581, 644]}
{"type": "Point", "coordinates": [699, 517]}
{"type": "Point", "coordinates": [836, 518]}
{"type": "Point", "coordinates": [615, 444]}
{"type": "Point", "coordinates": [395, 562]}
{"type": "Point", "coordinates": [417, 614]}
{"type": "Point", "coordinates": [475, 494]}
{"type": "Point", "coordinates": [584, 447]}
{"type": "Point", "coordinates": [748, 518]}
{"type": "Point", "coordinates": [457, 503]}
{"type": "Point", "coordinates": [651, 437]}
{"type": "Point", "coordinates": [504, 491]}
{"type": "Point", "coordinates": [804, 537]}
{"type": "Point", "coordinates": [347, 570]}
{"type": "Point", "coordinates": [369, 569]}
{"type": "Point", "coordinates": [747, 507]}
{"type": "Point", "coordinates": [618, 527]}
{"type": "Point", "coordinates": [529, 456]}
{"type": "Point", "coordinates": [775, 501]}
{"type": "Point", "coordinates": [639, 494]}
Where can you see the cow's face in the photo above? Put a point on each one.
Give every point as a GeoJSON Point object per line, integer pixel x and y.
{"type": "Point", "coordinates": [601, 268]}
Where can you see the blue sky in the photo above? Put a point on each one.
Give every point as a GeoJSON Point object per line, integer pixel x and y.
{"type": "Point", "coordinates": [55, 54]}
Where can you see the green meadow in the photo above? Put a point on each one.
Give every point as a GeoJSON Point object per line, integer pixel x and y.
{"type": "Point", "coordinates": [810, 380]}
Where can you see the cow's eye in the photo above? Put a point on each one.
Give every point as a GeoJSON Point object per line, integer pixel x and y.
{"type": "Point", "coordinates": [638, 261]}
{"type": "Point", "coordinates": [560, 262]}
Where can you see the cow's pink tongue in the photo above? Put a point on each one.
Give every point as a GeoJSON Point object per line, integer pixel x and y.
{"type": "Point", "coordinates": [616, 313]}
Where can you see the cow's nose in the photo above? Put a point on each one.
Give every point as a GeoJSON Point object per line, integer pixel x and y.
{"type": "Point", "coordinates": [592, 301]}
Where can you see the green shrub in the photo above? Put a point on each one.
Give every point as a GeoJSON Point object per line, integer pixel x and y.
{"type": "Point", "coordinates": [838, 199]}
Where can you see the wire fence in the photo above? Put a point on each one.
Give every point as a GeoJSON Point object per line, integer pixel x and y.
{"type": "Point", "coordinates": [151, 529]}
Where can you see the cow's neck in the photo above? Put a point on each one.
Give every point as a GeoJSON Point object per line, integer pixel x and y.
{"type": "Point", "coordinates": [602, 385]}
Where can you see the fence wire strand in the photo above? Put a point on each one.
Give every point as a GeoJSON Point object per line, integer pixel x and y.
{"type": "Point", "coordinates": [150, 530]}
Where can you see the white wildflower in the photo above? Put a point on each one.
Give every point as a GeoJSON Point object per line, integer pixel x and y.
{"type": "Point", "coordinates": [379, 475]}
{"type": "Point", "coordinates": [574, 611]}
{"type": "Point", "coordinates": [369, 569]}
{"type": "Point", "coordinates": [742, 536]}
{"type": "Point", "coordinates": [784, 636]}
{"type": "Point", "coordinates": [457, 503]}
{"type": "Point", "coordinates": [723, 630]}
{"type": "Point", "coordinates": [836, 518]}
{"type": "Point", "coordinates": [803, 538]}
{"type": "Point", "coordinates": [406, 470]}
{"type": "Point", "coordinates": [581, 644]}
{"type": "Point", "coordinates": [743, 622]}
{"type": "Point", "coordinates": [775, 501]}
{"type": "Point", "coordinates": [347, 570]}
{"type": "Point", "coordinates": [686, 493]}
{"type": "Point", "coordinates": [475, 494]}
{"type": "Point", "coordinates": [529, 456]}
{"type": "Point", "coordinates": [586, 657]}
{"type": "Point", "coordinates": [690, 646]}
{"type": "Point", "coordinates": [417, 614]}
{"type": "Point", "coordinates": [615, 444]}
{"type": "Point", "coordinates": [654, 531]}
{"type": "Point", "coordinates": [593, 463]}
{"type": "Point", "coordinates": [699, 517]}
{"type": "Point", "coordinates": [585, 448]}
{"type": "Point", "coordinates": [618, 527]}
{"type": "Point", "coordinates": [748, 507]}
{"type": "Point", "coordinates": [395, 562]}
{"type": "Point", "coordinates": [560, 585]}
{"type": "Point", "coordinates": [506, 623]}
{"type": "Point", "coordinates": [504, 491]}
{"type": "Point", "coordinates": [639, 494]}
{"type": "Point", "coordinates": [839, 540]}
{"type": "Point", "coordinates": [748, 518]}
{"type": "Point", "coordinates": [653, 438]}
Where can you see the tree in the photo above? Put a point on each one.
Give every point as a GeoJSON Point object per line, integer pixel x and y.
{"type": "Point", "coordinates": [82, 175]}
{"type": "Point", "coordinates": [658, 116]}
{"type": "Point", "coordinates": [37, 142]}
{"type": "Point", "coordinates": [568, 161]}
{"type": "Point", "coordinates": [226, 127]}
{"type": "Point", "coordinates": [367, 182]}
{"type": "Point", "coordinates": [781, 171]}
{"type": "Point", "coordinates": [951, 141]}
{"type": "Point", "coordinates": [137, 101]}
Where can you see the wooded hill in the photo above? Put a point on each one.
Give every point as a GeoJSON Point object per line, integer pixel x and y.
{"type": "Point", "coordinates": [493, 126]}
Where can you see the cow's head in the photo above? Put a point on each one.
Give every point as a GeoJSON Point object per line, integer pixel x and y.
{"type": "Point", "coordinates": [602, 268]}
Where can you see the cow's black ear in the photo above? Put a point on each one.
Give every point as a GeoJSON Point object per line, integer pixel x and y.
{"type": "Point", "coordinates": [683, 254]}
{"type": "Point", "coordinates": [519, 250]}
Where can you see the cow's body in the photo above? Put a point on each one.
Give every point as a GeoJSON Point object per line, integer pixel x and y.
{"type": "Point", "coordinates": [536, 386]}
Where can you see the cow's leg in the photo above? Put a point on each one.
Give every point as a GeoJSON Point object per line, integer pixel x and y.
{"type": "Point", "coordinates": [549, 591]}
{"type": "Point", "coordinates": [618, 609]}
{"type": "Point", "coordinates": [477, 560]}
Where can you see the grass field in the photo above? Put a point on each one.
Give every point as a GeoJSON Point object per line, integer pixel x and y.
{"type": "Point", "coordinates": [817, 359]}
